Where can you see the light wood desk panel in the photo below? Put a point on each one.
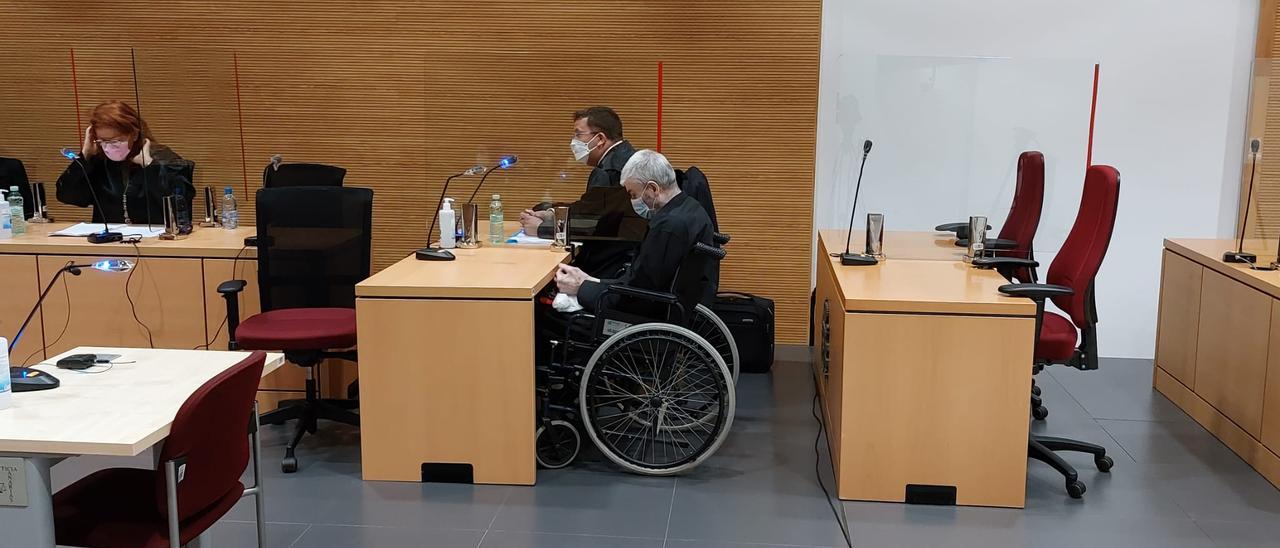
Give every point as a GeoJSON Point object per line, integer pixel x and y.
{"type": "Point", "coordinates": [167, 294]}
{"type": "Point", "coordinates": [21, 289]}
{"type": "Point", "coordinates": [447, 364]}
{"type": "Point", "coordinates": [914, 393]}
{"type": "Point", "coordinates": [202, 242]}
{"type": "Point", "coordinates": [1234, 391]}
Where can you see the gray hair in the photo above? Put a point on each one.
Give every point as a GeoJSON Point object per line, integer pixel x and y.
{"type": "Point", "coordinates": [649, 165]}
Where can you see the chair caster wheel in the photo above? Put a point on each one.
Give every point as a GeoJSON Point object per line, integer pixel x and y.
{"type": "Point", "coordinates": [1075, 489]}
{"type": "Point", "coordinates": [289, 465]}
{"type": "Point", "coordinates": [1104, 463]}
{"type": "Point", "coordinates": [557, 444]}
{"type": "Point", "coordinates": [1035, 390]}
{"type": "Point", "coordinates": [1040, 413]}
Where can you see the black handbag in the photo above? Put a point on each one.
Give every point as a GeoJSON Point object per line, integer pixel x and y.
{"type": "Point", "coordinates": [750, 320]}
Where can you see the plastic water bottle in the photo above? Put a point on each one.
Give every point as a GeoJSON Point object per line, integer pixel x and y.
{"type": "Point", "coordinates": [497, 233]}
{"type": "Point", "coordinates": [6, 383]}
{"type": "Point", "coordinates": [15, 208]}
{"type": "Point", "coordinates": [6, 218]}
{"type": "Point", "coordinates": [230, 216]}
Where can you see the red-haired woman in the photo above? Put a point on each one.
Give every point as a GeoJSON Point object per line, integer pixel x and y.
{"type": "Point", "coordinates": [128, 171]}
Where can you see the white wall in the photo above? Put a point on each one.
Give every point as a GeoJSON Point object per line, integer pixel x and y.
{"type": "Point", "coordinates": [1172, 101]}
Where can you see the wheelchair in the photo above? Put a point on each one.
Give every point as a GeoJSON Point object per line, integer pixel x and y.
{"type": "Point", "coordinates": [655, 396]}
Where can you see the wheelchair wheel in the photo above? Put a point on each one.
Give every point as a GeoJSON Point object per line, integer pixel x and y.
{"type": "Point", "coordinates": [711, 328]}
{"type": "Point", "coordinates": [556, 444]}
{"type": "Point", "coordinates": [657, 399]}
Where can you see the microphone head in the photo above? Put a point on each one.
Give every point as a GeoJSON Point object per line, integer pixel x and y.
{"type": "Point", "coordinates": [508, 161]}
{"type": "Point", "coordinates": [69, 154]}
{"type": "Point", "coordinates": [1254, 145]}
{"type": "Point", "coordinates": [866, 146]}
{"type": "Point", "coordinates": [474, 170]}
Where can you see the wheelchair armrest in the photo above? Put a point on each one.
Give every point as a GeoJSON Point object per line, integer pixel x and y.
{"type": "Point", "coordinates": [719, 238]}
{"type": "Point", "coordinates": [711, 251]}
{"type": "Point", "coordinates": [231, 287]}
{"type": "Point", "coordinates": [996, 262]}
{"type": "Point", "coordinates": [1037, 292]}
{"type": "Point", "coordinates": [656, 296]}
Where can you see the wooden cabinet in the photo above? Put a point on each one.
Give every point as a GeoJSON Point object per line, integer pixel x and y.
{"type": "Point", "coordinates": [1218, 348]}
{"type": "Point", "coordinates": [1231, 353]}
{"type": "Point", "coordinates": [1179, 317]}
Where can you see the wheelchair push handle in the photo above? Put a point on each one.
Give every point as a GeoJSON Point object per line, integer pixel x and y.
{"type": "Point", "coordinates": [710, 251]}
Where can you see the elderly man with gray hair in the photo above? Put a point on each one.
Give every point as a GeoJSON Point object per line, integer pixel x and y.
{"type": "Point", "coordinates": [676, 223]}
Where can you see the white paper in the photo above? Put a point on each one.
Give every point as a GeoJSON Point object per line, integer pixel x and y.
{"type": "Point", "coordinates": [520, 238]}
{"type": "Point", "coordinates": [85, 229]}
{"type": "Point", "coordinates": [13, 482]}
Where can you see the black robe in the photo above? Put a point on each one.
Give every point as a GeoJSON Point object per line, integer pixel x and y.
{"type": "Point", "coordinates": [119, 182]}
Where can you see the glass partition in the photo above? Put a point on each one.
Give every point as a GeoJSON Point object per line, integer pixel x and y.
{"type": "Point", "coordinates": [947, 133]}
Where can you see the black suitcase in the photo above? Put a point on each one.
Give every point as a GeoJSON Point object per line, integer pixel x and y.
{"type": "Point", "coordinates": [750, 319]}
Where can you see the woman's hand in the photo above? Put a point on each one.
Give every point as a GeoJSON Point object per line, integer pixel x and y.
{"type": "Point", "coordinates": [144, 158]}
{"type": "Point", "coordinates": [89, 148]}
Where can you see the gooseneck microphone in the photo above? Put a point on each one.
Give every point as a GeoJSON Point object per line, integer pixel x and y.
{"type": "Point", "coordinates": [431, 253]}
{"type": "Point", "coordinates": [19, 373]}
{"type": "Point", "coordinates": [857, 259]}
{"type": "Point", "coordinates": [1239, 256]}
{"type": "Point", "coordinates": [503, 163]}
{"type": "Point", "coordinates": [106, 236]}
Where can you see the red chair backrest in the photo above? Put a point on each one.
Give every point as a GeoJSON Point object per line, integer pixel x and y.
{"type": "Point", "coordinates": [1028, 199]}
{"type": "Point", "coordinates": [1081, 255]}
{"type": "Point", "coordinates": [211, 432]}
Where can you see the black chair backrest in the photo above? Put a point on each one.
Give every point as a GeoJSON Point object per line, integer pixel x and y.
{"type": "Point", "coordinates": [13, 173]}
{"type": "Point", "coordinates": [302, 175]}
{"type": "Point", "coordinates": [694, 182]}
{"type": "Point", "coordinates": [313, 245]}
{"type": "Point", "coordinates": [691, 285]}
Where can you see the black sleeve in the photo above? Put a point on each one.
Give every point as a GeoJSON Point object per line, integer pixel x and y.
{"type": "Point", "coordinates": [659, 258]}
{"type": "Point", "coordinates": [73, 187]}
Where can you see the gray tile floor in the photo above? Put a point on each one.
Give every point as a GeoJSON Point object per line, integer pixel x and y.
{"type": "Point", "coordinates": [1174, 485]}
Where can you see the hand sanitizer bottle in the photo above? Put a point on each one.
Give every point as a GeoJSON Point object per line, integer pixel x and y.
{"type": "Point", "coordinates": [448, 223]}
{"type": "Point", "coordinates": [6, 382]}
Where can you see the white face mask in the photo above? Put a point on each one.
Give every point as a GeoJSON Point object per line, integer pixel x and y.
{"type": "Point", "coordinates": [581, 149]}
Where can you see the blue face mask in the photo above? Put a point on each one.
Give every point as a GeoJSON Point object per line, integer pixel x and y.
{"type": "Point", "coordinates": [642, 209]}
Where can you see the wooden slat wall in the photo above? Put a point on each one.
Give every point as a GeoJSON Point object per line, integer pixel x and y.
{"type": "Point", "coordinates": [402, 93]}
{"type": "Point", "coordinates": [1264, 124]}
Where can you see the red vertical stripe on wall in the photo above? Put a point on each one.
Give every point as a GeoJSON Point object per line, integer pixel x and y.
{"type": "Point", "coordinates": [1093, 114]}
{"type": "Point", "coordinates": [658, 146]}
{"type": "Point", "coordinates": [75, 92]}
{"type": "Point", "coordinates": [244, 165]}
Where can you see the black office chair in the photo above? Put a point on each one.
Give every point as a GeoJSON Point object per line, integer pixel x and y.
{"type": "Point", "coordinates": [313, 248]}
{"type": "Point", "coordinates": [1072, 340]}
{"type": "Point", "coordinates": [14, 173]}
{"type": "Point", "coordinates": [286, 175]}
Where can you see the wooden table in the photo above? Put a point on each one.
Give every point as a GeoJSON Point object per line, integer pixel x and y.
{"type": "Point", "coordinates": [924, 370]}
{"type": "Point", "coordinates": [447, 365]}
{"type": "Point", "coordinates": [173, 288]}
{"type": "Point", "coordinates": [122, 411]}
{"type": "Point", "coordinates": [1218, 346]}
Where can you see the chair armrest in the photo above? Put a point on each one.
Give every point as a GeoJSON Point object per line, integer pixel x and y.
{"type": "Point", "coordinates": [1000, 243]}
{"type": "Point", "coordinates": [1036, 292]}
{"type": "Point", "coordinates": [950, 227]}
{"type": "Point", "coordinates": [996, 262]}
{"type": "Point", "coordinates": [656, 296]}
{"type": "Point", "coordinates": [231, 287]}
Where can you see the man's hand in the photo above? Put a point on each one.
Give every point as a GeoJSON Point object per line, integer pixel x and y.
{"type": "Point", "coordinates": [570, 278]}
{"type": "Point", "coordinates": [530, 220]}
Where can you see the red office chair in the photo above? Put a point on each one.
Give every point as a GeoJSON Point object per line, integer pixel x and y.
{"type": "Point", "coordinates": [313, 248]}
{"type": "Point", "coordinates": [1071, 287]}
{"type": "Point", "coordinates": [1019, 229]}
{"type": "Point", "coordinates": [198, 483]}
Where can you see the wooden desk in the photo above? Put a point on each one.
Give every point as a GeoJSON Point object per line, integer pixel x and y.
{"type": "Point", "coordinates": [447, 364]}
{"type": "Point", "coordinates": [173, 289]}
{"type": "Point", "coordinates": [120, 412]}
{"type": "Point", "coordinates": [902, 244]}
{"type": "Point", "coordinates": [1218, 346]}
{"type": "Point", "coordinates": [924, 369]}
